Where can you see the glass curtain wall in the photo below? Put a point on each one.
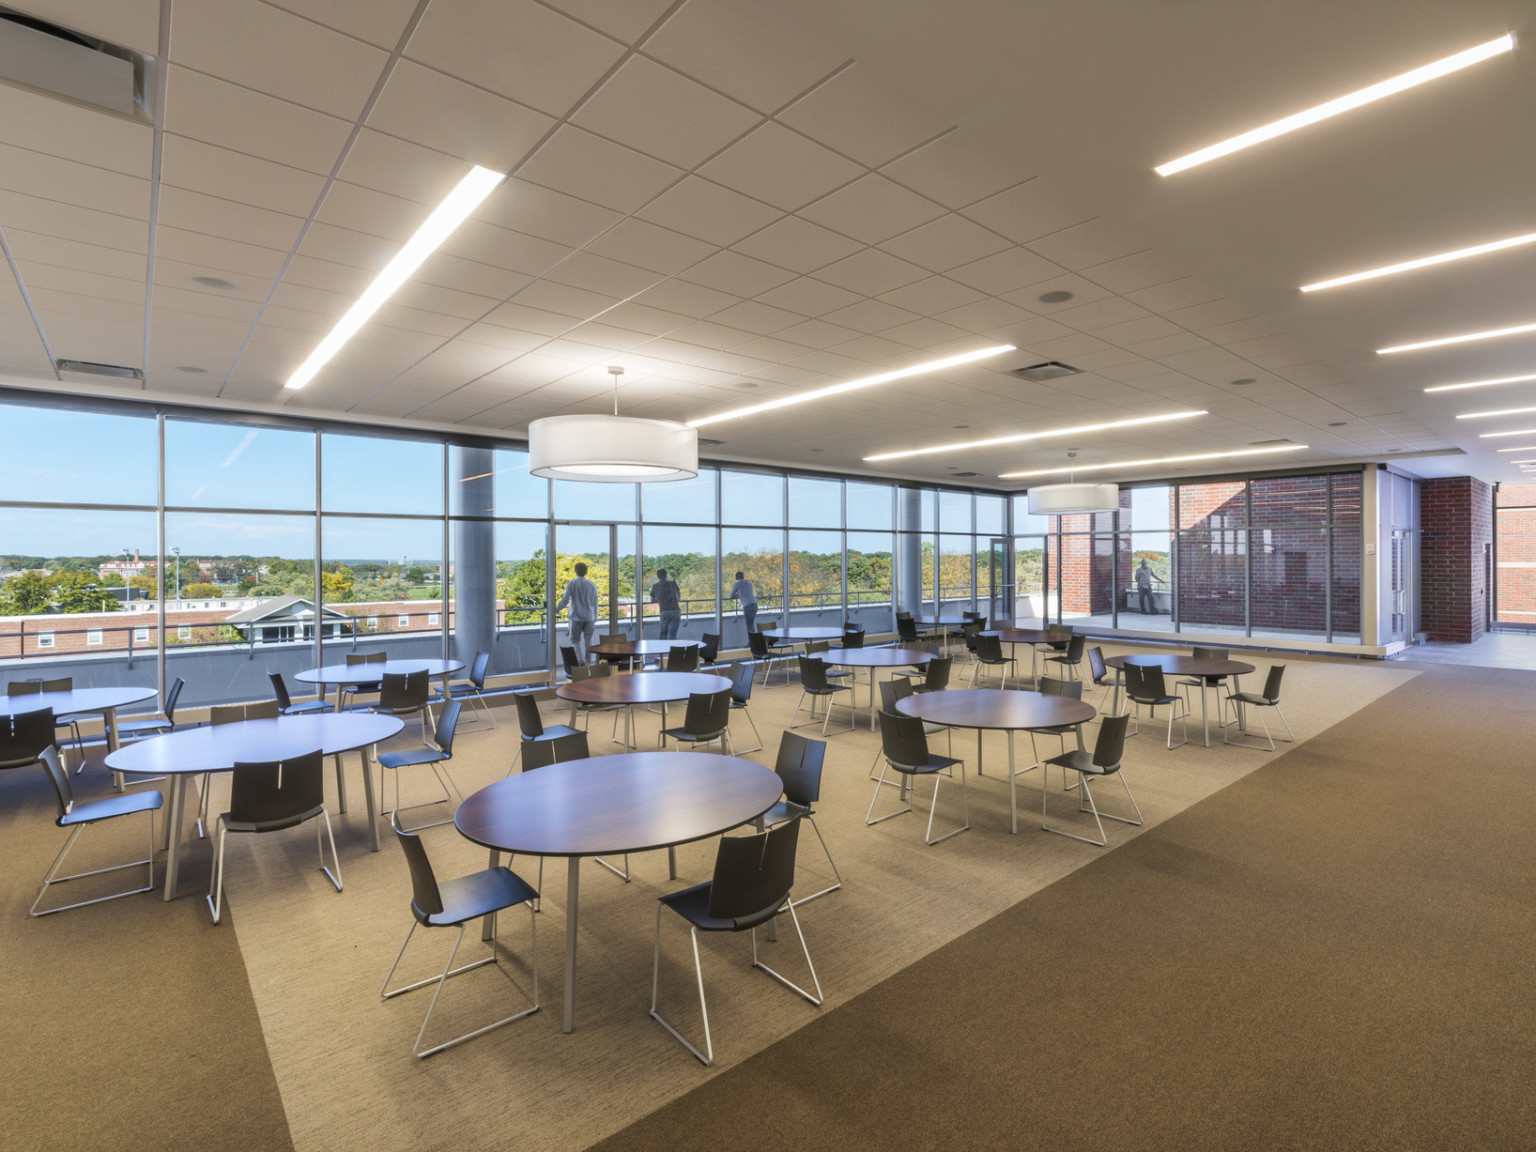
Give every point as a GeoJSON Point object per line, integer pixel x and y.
{"type": "Point", "coordinates": [1514, 556]}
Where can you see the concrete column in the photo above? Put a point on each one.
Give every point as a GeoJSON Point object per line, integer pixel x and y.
{"type": "Point", "coordinates": [909, 550]}
{"type": "Point", "coordinates": [474, 554]}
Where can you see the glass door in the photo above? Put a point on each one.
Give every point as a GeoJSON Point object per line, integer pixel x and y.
{"type": "Point", "coordinates": [608, 552]}
{"type": "Point", "coordinates": [999, 581]}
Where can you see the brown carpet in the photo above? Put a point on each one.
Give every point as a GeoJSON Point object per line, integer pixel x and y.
{"type": "Point", "coordinates": [128, 1025]}
{"type": "Point", "coordinates": [1333, 952]}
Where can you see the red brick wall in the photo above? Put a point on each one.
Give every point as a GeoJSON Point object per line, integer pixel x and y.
{"type": "Point", "coordinates": [1515, 596]}
{"type": "Point", "coordinates": [1456, 524]}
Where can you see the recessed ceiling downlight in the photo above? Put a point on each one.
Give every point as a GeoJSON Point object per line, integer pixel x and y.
{"type": "Point", "coordinates": [1058, 296]}
{"type": "Point", "coordinates": [190, 368]}
{"type": "Point", "coordinates": [213, 282]}
{"type": "Point", "coordinates": [1046, 370]}
{"type": "Point", "coordinates": [1242, 380]}
{"type": "Point", "coordinates": [746, 385]}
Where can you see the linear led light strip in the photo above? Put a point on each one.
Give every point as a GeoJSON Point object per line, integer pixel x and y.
{"type": "Point", "coordinates": [1517, 432]}
{"type": "Point", "coordinates": [1482, 383]}
{"type": "Point", "coordinates": [1527, 448]}
{"type": "Point", "coordinates": [855, 385]}
{"type": "Point", "coordinates": [1158, 460]}
{"type": "Point", "coordinates": [1033, 436]}
{"type": "Point", "coordinates": [1340, 104]}
{"type": "Point", "coordinates": [1422, 262]}
{"type": "Point", "coordinates": [1495, 412]}
{"type": "Point", "coordinates": [466, 196]}
{"type": "Point", "coordinates": [1466, 337]}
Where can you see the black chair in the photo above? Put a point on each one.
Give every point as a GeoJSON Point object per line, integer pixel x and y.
{"type": "Point", "coordinates": [763, 654]}
{"type": "Point", "coordinates": [592, 672]}
{"type": "Point", "coordinates": [906, 630]}
{"type": "Point", "coordinates": [268, 797]}
{"type": "Point", "coordinates": [741, 696]}
{"type": "Point", "coordinates": [437, 753]}
{"type": "Point", "coordinates": [453, 904]}
{"type": "Point", "coordinates": [405, 694]}
{"type": "Point", "coordinates": [1269, 698]}
{"type": "Point", "coordinates": [473, 688]}
{"type": "Point", "coordinates": [62, 684]}
{"type": "Point", "coordinates": [853, 637]}
{"type": "Point", "coordinates": [905, 746]}
{"type": "Point", "coordinates": [683, 658]}
{"type": "Point", "coordinates": [968, 634]}
{"type": "Point", "coordinates": [709, 650]}
{"type": "Point", "coordinates": [1146, 687]}
{"type": "Point", "coordinates": [568, 659]}
{"type": "Point", "coordinates": [154, 725]}
{"type": "Point", "coordinates": [285, 702]}
{"type": "Point", "coordinates": [816, 648]}
{"type": "Point", "coordinates": [1104, 761]}
{"type": "Point", "coordinates": [893, 691]}
{"type": "Point", "coordinates": [346, 694]}
{"type": "Point", "coordinates": [1099, 671]}
{"type": "Point", "coordinates": [751, 885]}
{"type": "Point", "coordinates": [24, 735]}
{"type": "Point", "coordinates": [610, 638]}
{"type": "Point", "coordinates": [708, 719]}
{"type": "Point", "coordinates": [1072, 659]}
{"type": "Point", "coordinates": [935, 674]}
{"type": "Point", "coordinates": [814, 683]}
{"type": "Point", "coordinates": [1204, 682]}
{"type": "Point", "coordinates": [556, 750]}
{"type": "Point", "coordinates": [533, 726]}
{"type": "Point", "coordinates": [799, 766]}
{"type": "Point", "coordinates": [75, 816]}
{"type": "Point", "coordinates": [235, 714]}
{"type": "Point", "coordinates": [1048, 686]}
{"type": "Point", "coordinates": [989, 654]}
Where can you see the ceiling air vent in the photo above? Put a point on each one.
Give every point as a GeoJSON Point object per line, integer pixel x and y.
{"type": "Point", "coordinates": [89, 368]}
{"type": "Point", "coordinates": [60, 62]}
{"type": "Point", "coordinates": [1050, 370]}
{"type": "Point", "coordinates": [964, 475]}
{"type": "Point", "coordinates": [1267, 443]}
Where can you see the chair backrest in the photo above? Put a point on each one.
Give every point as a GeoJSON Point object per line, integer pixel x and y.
{"type": "Point", "coordinates": [277, 793]}
{"type": "Point", "coordinates": [24, 735]}
{"type": "Point", "coordinates": [356, 658]}
{"type": "Point", "coordinates": [171, 697]}
{"type": "Point", "coordinates": [741, 683]}
{"type": "Point", "coordinates": [799, 766]}
{"type": "Point", "coordinates": [1209, 653]}
{"type": "Point", "coordinates": [894, 689]}
{"type": "Point", "coordinates": [59, 778]}
{"type": "Point", "coordinates": [262, 710]}
{"type": "Point", "coordinates": [1052, 687]}
{"type": "Point", "coordinates": [605, 637]}
{"type": "Point", "coordinates": [970, 634]}
{"type": "Point", "coordinates": [757, 644]}
{"type": "Point", "coordinates": [818, 646]}
{"type": "Point", "coordinates": [1145, 682]}
{"type": "Point", "coordinates": [556, 750]}
{"type": "Point", "coordinates": [937, 678]}
{"type": "Point", "coordinates": [1096, 665]}
{"type": "Point", "coordinates": [813, 674]}
{"type": "Point", "coordinates": [989, 649]}
{"type": "Point", "coordinates": [226, 714]}
{"type": "Point", "coordinates": [708, 713]}
{"type": "Point", "coordinates": [280, 690]}
{"type": "Point", "coordinates": [903, 741]}
{"type": "Point", "coordinates": [528, 718]}
{"type": "Point", "coordinates": [478, 669]}
{"type": "Point", "coordinates": [709, 651]}
{"type": "Point", "coordinates": [1272, 683]}
{"type": "Point", "coordinates": [23, 687]}
{"type": "Point", "coordinates": [906, 628]}
{"type": "Point", "coordinates": [62, 684]}
{"type": "Point", "coordinates": [972, 615]}
{"type": "Point", "coordinates": [426, 900]}
{"type": "Point", "coordinates": [404, 691]}
{"type": "Point", "coordinates": [568, 658]}
{"type": "Point", "coordinates": [1110, 745]}
{"type": "Point", "coordinates": [588, 671]}
{"type": "Point", "coordinates": [853, 637]}
{"type": "Point", "coordinates": [1075, 649]}
{"type": "Point", "coordinates": [754, 874]}
{"type": "Point", "coordinates": [683, 658]}
{"type": "Point", "coordinates": [447, 724]}
{"type": "Point", "coordinates": [376, 658]}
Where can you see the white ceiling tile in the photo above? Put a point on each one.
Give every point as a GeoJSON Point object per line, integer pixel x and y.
{"type": "Point", "coordinates": [379, 22]}
{"type": "Point", "coordinates": [197, 212]}
{"type": "Point", "coordinates": [58, 128]}
{"type": "Point", "coordinates": [74, 280]}
{"type": "Point", "coordinates": [1185, 293]}
{"type": "Point", "coordinates": [30, 247]}
{"type": "Point", "coordinates": [1087, 317]}
{"type": "Point", "coordinates": [956, 170]}
{"type": "Point", "coordinates": [232, 117]}
{"type": "Point", "coordinates": [871, 316]}
{"type": "Point", "coordinates": [1083, 246]}
{"type": "Point", "coordinates": [708, 335]}
{"type": "Point", "coordinates": [871, 272]}
{"type": "Point", "coordinates": [808, 297]}
{"type": "Point", "coordinates": [1082, 292]}
{"type": "Point", "coordinates": [926, 333]}
{"type": "Point", "coordinates": [445, 309]}
{"type": "Point", "coordinates": [655, 110]}
{"type": "Point", "coordinates": [707, 211]}
{"type": "Point", "coordinates": [1137, 331]}
{"type": "Point", "coordinates": [818, 334]}
{"type": "Point", "coordinates": [1027, 211]}
{"type": "Point", "coordinates": [798, 244]}
{"type": "Point", "coordinates": [933, 295]}
{"type": "Point", "coordinates": [600, 274]}
{"type": "Point", "coordinates": [755, 316]}
{"type": "Point", "coordinates": [646, 245]}
{"type": "Point", "coordinates": [875, 349]}
{"type": "Point", "coordinates": [1168, 345]}
{"type": "Point", "coordinates": [626, 19]}
{"type": "Point", "coordinates": [503, 248]}
{"type": "Point", "coordinates": [781, 167]}
{"type": "Point", "coordinates": [1205, 315]}
{"type": "Point", "coordinates": [215, 171]}
{"type": "Point", "coordinates": [872, 210]}
{"type": "Point", "coordinates": [1130, 273]}
{"type": "Point", "coordinates": [769, 348]}
{"type": "Point", "coordinates": [1233, 331]}
{"type": "Point", "coordinates": [692, 300]}
{"type": "Point", "coordinates": [426, 107]}
{"type": "Point", "coordinates": [864, 119]}
{"type": "Point", "coordinates": [581, 164]}
{"type": "Point", "coordinates": [344, 246]}
{"type": "Point", "coordinates": [516, 48]}
{"type": "Point", "coordinates": [1005, 272]}
{"type": "Point", "coordinates": [264, 48]}
{"type": "Point", "coordinates": [67, 221]}
{"type": "Point", "coordinates": [946, 243]}
{"type": "Point", "coordinates": [985, 315]}
{"type": "Point", "coordinates": [737, 274]}
{"type": "Point", "coordinates": [645, 320]}
{"type": "Point", "coordinates": [602, 335]}
{"type": "Point", "coordinates": [565, 300]}
{"type": "Point", "coordinates": [67, 182]}
{"type": "Point", "coordinates": [522, 317]}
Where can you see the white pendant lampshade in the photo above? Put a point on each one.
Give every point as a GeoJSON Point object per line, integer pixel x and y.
{"type": "Point", "coordinates": [1073, 499]}
{"type": "Point", "coordinates": [612, 449]}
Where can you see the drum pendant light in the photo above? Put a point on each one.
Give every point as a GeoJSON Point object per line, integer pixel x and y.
{"type": "Point", "coordinates": [612, 449]}
{"type": "Point", "coordinates": [1073, 499]}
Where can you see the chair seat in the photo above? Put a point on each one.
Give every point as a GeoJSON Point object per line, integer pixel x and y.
{"type": "Point", "coordinates": [477, 894]}
{"type": "Point", "coordinates": [936, 763]}
{"type": "Point", "coordinates": [1055, 730]}
{"type": "Point", "coordinates": [1253, 698]}
{"type": "Point", "coordinates": [413, 756]}
{"type": "Point", "coordinates": [784, 811]}
{"type": "Point", "coordinates": [692, 904]}
{"type": "Point", "coordinates": [691, 737]}
{"type": "Point", "coordinates": [1155, 700]}
{"type": "Point", "coordinates": [307, 706]}
{"type": "Point", "coordinates": [828, 690]}
{"type": "Point", "coordinates": [125, 727]}
{"type": "Point", "coordinates": [554, 732]}
{"type": "Point", "coordinates": [105, 809]}
{"type": "Point", "coordinates": [271, 825]}
{"type": "Point", "coordinates": [1081, 762]}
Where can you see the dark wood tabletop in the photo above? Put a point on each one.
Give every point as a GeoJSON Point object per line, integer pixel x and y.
{"type": "Point", "coordinates": [804, 632]}
{"type": "Point", "coordinates": [640, 647]}
{"type": "Point", "coordinates": [641, 688]}
{"type": "Point", "coordinates": [940, 621]}
{"type": "Point", "coordinates": [994, 709]}
{"type": "Point", "coordinates": [76, 700]}
{"type": "Point", "coordinates": [1177, 665]}
{"type": "Point", "coordinates": [374, 673]}
{"type": "Point", "coordinates": [218, 747]}
{"type": "Point", "coordinates": [606, 805]}
{"type": "Point", "coordinates": [874, 657]}
{"type": "Point", "coordinates": [1028, 635]}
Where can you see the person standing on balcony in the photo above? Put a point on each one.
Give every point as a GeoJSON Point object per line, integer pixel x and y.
{"type": "Point", "coordinates": [1144, 578]}
{"type": "Point", "coordinates": [742, 591]}
{"type": "Point", "coordinates": [664, 594]}
{"type": "Point", "coordinates": [581, 595]}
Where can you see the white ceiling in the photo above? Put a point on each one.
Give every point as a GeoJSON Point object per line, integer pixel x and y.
{"type": "Point", "coordinates": [739, 200]}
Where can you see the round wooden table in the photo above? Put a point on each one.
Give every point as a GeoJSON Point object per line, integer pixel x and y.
{"type": "Point", "coordinates": [941, 621]}
{"type": "Point", "coordinates": [1173, 664]}
{"type": "Point", "coordinates": [1007, 710]}
{"type": "Point", "coordinates": [1031, 636]}
{"type": "Point", "coordinates": [219, 747]}
{"type": "Point", "coordinates": [609, 805]}
{"type": "Point", "coordinates": [629, 649]}
{"type": "Point", "coordinates": [640, 688]}
{"type": "Point", "coordinates": [873, 658]}
{"type": "Point", "coordinates": [368, 677]}
{"type": "Point", "coordinates": [803, 632]}
{"type": "Point", "coordinates": [103, 702]}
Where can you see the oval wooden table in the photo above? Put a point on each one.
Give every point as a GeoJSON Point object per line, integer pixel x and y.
{"type": "Point", "coordinates": [609, 805]}
{"type": "Point", "coordinates": [370, 676]}
{"type": "Point", "coordinates": [1007, 710]}
{"type": "Point", "coordinates": [1173, 664]}
{"type": "Point", "coordinates": [219, 747]}
{"type": "Point", "coordinates": [1031, 636]}
{"type": "Point", "coordinates": [103, 702]}
{"type": "Point", "coordinates": [803, 632]}
{"type": "Point", "coordinates": [873, 658]}
{"type": "Point", "coordinates": [629, 649]}
{"type": "Point", "coordinates": [640, 688]}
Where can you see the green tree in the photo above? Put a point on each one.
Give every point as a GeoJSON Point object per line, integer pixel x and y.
{"type": "Point", "coordinates": [145, 580]}
{"type": "Point", "coordinates": [25, 594]}
{"type": "Point", "coordinates": [112, 580]}
{"type": "Point", "coordinates": [78, 591]}
{"type": "Point", "coordinates": [202, 591]}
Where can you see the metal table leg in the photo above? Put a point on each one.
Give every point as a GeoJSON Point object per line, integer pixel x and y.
{"type": "Point", "coordinates": [109, 722]}
{"type": "Point", "coordinates": [572, 892]}
{"type": "Point", "coordinates": [173, 834]}
{"type": "Point", "coordinates": [369, 799]}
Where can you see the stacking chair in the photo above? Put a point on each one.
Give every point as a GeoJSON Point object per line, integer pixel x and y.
{"type": "Point", "coordinates": [438, 752]}
{"type": "Point", "coordinates": [1269, 698]}
{"type": "Point", "coordinates": [969, 633]}
{"type": "Point", "coordinates": [285, 703]}
{"type": "Point", "coordinates": [453, 904]}
{"type": "Point", "coordinates": [1072, 659]}
{"type": "Point", "coordinates": [533, 726]}
{"type": "Point", "coordinates": [893, 691]}
{"type": "Point", "coordinates": [405, 694]}
{"type": "Point", "coordinates": [709, 650]}
{"type": "Point", "coordinates": [683, 658]}
{"type": "Point", "coordinates": [346, 694]}
{"type": "Point", "coordinates": [935, 675]}
{"type": "Point", "coordinates": [905, 746]}
{"type": "Point", "coordinates": [906, 630]}
{"type": "Point", "coordinates": [1204, 682]}
{"type": "Point", "coordinates": [24, 735]}
{"type": "Point", "coordinates": [268, 797]}
{"type": "Point", "coordinates": [816, 647]}
{"type": "Point", "coordinates": [814, 683]}
{"type": "Point", "coordinates": [568, 659]}
{"type": "Point", "coordinates": [989, 654]}
{"type": "Point", "coordinates": [763, 654]}
{"type": "Point", "coordinates": [1146, 687]}
{"type": "Point", "coordinates": [1104, 761]}
{"type": "Point", "coordinates": [234, 714]}
{"type": "Point", "coordinates": [799, 765]}
{"type": "Point", "coordinates": [1047, 687]}
{"type": "Point", "coordinates": [473, 688]}
{"type": "Point", "coordinates": [154, 725]}
{"type": "Point", "coordinates": [590, 672]}
{"type": "Point", "coordinates": [1099, 671]}
{"type": "Point", "coordinates": [741, 696]}
{"type": "Point", "coordinates": [751, 885]}
{"type": "Point", "coordinates": [853, 636]}
{"type": "Point", "coordinates": [62, 684]}
{"type": "Point", "coordinates": [75, 815]}
{"type": "Point", "coordinates": [708, 719]}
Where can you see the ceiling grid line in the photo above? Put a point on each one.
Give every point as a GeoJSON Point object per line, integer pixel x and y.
{"type": "Point", "coordinates": [162, 71]}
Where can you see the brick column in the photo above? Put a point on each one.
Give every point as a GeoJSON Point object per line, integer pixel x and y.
{"type": "Point", "coordinates": [1455, 525]}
